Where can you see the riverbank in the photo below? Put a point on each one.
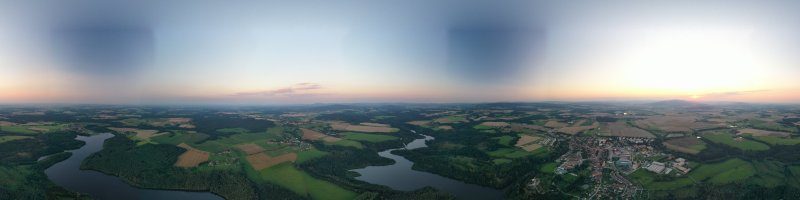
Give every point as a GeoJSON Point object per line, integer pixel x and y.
{"type": "Point", "coordinates": [98, 185]}
{"type": "Point", "coordinates": [401, 176]}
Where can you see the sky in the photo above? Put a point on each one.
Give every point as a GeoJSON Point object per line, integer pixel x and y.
{"type": "Point", "coordinates": [297, 52]}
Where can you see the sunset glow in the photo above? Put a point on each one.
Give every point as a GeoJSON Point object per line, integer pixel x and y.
{"type": "Point", "coordinates": [575, 53]}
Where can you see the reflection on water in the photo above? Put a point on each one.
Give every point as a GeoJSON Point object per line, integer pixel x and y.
{"type": "Point", "coordinates": [67, 174]}
{"type": "Point", "coordinates": [400, 176]}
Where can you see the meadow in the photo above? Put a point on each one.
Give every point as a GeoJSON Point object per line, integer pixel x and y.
{"type": "Point", "coordinates": [9, 138]}
{"type": "Point", "coordinates": [688, 145]}
{"type": "Point", "coordinates": [368, 137]}
{"type": "Point", "coordinates": [728, 139]}
{"type": "Point", "coordinates": [302, 183]}
{"type": "Point", "coordinates": [776, 140]}
{"type": "Point", "coordinates": [504, 140]}
{"type": "Point", "coordinates": [725, 172]}
{"type": "Point", "coordinates": [549, 168]}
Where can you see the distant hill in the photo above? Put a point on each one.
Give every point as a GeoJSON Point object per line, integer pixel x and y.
{"type": "Point", "coordinates": [677, 103]}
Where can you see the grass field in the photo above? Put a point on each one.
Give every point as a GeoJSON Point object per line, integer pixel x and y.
{"type": "Point", "coordinates": [260, 138]}
{"type": "Point", "coordinates": [549, 167]}
{"type": "Point", "coordinates": [647, 179]}
{"type": "Point", "coordinates": [365, 127]}
{"type": "Point", "coordinates": [383, 117]}
{"type": "Point", "coordinates": [17, 129]}
{"type": "Point", "coordinates": [730, 170]}
{"type": "Point", "coordinates": [776, 140]}
{"type": "Point", "coordinates": [12, 138]}
{"type": "Point", "coordinates": [232, 130]}
{"type": "Point", "coordinates": [729, 140]}
{"type": "Point", "coordinates": [346, 143]}
{"type": "Point", "coordinates": [769, 173]}
{"type": "Point", "coordinates": [688, 145]}
{"type": "Point", "coordinates": [368, 137]}
{"type": "Point", "coordinates": [504, 140]}
{"type": "Point", "coordinates": [451, 119]}
{"type": "Point", "coordinates": [307, 155]}
{"type": "Point", "coordinates": [769, 125]}
{"type": "Point", "coordinates": [32, 129]}
{"type": "Point", "coordinates": [177, 137]}
{"type": "Point", "coordinates": [288, 176]}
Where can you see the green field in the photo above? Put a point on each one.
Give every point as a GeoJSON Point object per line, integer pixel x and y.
{"type": "Point", "coordinates": [504, 140]}
{"type": "Point", "coordinates": [307, 155]}
{"type": "Point", "coordinates": [288, 176]}
{"type": "Point", "coordinates": [383, 117]}
{"type": "Point", "coordinates": [260, 138]}
{"type": "Point", "coordinates": [177, 137]}
{"type": "Point", "coordinates": [729, 140]}
{"type": "Point", "coordinates": [232, 130]}
{"type": "Point", "coordinates": [698, 147]}
{"type": "Point", "coordinates": [686, 145]}
{"type": "Point", "coordinates": [730, 170]}
{"type": "Point", "coordinates": [454, 118]}
{"type": "Point", "coordinates": [549, 167]}
{"type": "Point", "coordinates": [368, 137]}
{"type": "Point", "coordinates": [346, 143]}
{"type": "Point", "coordinates": [768, 173]}
{"type": "Point", "coordinates": [766, 125]}
{"type": "Point", "coordinates": [26, 129]}
{"type": "Point", "coordinates": [12, 138]}
{"type": "Point", "coordinates": [777, 140]}
{"type": "Point", "coordinates": [133, 121]}
{"type": "Point", "coordinates": [17, 129]}
{"type": "Point", "coordinates": [648, 180]}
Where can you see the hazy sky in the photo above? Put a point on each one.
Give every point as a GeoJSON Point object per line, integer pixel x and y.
{"type": "Point", "coordinates": [285, 52]}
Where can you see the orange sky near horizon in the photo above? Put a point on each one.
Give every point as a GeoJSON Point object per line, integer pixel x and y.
{"type": "Point", "coordinates": [590, 52]}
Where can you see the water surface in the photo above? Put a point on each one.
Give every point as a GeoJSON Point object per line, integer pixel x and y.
{"type": "Point", "coordinates": [400, 176]}
{"type": "Point", "coordinates": [68, 174]}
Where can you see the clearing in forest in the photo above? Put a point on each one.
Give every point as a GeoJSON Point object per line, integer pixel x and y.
{"type": "Point", "coordinates": [361, 128]}
{"type": "Point", "coordinates": [192, 157]}
{"type": "Point", "coordinates": [527, 142]}
{"type": "Point", "coordinates": [261, 160]}
{"type": "Point", "coordinates": [250, 148]}
{"type": "Point", "coordinates": [690, 145]}
{"type": "Point", "coordinates": [309, 134]}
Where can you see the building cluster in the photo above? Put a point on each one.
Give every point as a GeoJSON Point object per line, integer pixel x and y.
{"type": "Point", "coordinates": [229, 160]}
{"type": "Point", "coordinates": [569, 162]}
{"type": "Point", "coordinates": [679, 164]}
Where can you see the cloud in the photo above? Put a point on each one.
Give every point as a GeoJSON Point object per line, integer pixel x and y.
{"type": "Point", "coordinates": [294, 90]}
{"type": "Point", "coordinates": [733, 93]}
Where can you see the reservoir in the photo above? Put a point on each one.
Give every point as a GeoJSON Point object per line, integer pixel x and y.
{"type": "Point", "coordinates": [68, 174]}
{"type": "Point", "coordinates": [400, 176]}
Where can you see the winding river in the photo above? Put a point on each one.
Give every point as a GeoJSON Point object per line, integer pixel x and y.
{"type": "Point", "coordinates": [68, 174]}
{"type": "Point", "coordinates": [400, 176]}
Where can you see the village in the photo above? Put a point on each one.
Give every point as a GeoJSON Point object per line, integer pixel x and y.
{"type": "Point", "coordinates": [611, 159]}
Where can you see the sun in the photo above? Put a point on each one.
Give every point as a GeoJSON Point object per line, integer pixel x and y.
{"type": "Point", "coordinates": [693, 61]}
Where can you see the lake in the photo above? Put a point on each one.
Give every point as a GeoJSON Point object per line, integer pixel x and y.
{"type": "Point", "coordinates": [400, 176]}
{"type": "Point", "coordinates": [68, 174]}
